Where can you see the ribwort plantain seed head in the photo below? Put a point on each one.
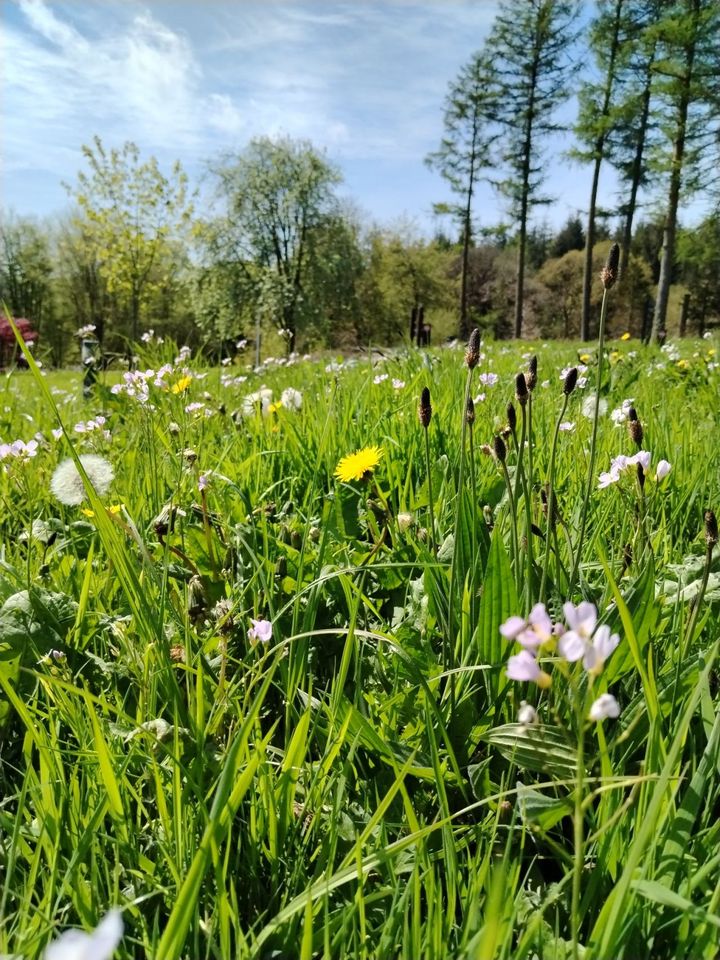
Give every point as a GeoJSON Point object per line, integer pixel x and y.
{"type": "Point", "coordinates": [499, 449]}
{"type": "Point", "coordinates": [571, 378]}
{"type": "Point", "coordinates": [531, 375]}
{"type": "Point", "coordinates": [425, 408]}
{"type": "Point", "coordinates": [470, 412]}
{"type": "Point", "coordinates": [635, 429]}
{"type": "Point", "coordinates": [512, 416]}
{"type": "Point", "coordinates": [609, 273]}
{"type": "Point", "coordinates": [521, 390]}
{"type": "Point", "coordinates": [711, 529]}
{"type": "Point", "coordinates": [472, 356]}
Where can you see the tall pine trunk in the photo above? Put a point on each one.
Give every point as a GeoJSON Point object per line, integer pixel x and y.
{"type": "Point", "coordinates": [527, 153]}
{"type": "Point", "coordinates": [637, 169]}
{"type": "Point", "coordinates": [669, 233]}
{"type": "Point", "coordinates": [599, 154]}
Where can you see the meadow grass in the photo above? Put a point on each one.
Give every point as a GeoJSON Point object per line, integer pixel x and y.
{"type": "Point", "coordinates": [366, 782]}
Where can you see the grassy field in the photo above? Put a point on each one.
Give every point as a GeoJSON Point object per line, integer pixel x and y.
{"type": "Point", "coordinates": [256, 695]}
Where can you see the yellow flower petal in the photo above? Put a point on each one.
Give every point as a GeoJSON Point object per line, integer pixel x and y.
{"type": "Point", "coordinates": [356, 465]}
{"type": "Point", "coordinates": [182, 385]}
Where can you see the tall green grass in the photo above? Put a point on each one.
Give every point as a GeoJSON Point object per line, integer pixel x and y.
{"type": "Point", "coordinates": [359, 786]}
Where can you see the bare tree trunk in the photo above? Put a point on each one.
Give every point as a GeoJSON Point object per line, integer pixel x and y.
{"type": "Point", "coordinates": [587, 259]}
{"type": "Point", "coordinates": [636, 170]}
{"type": "Point", "coordinates": [599, 151]}
{"type": "Point", "coordinates": [670, 231]}
{"type": "Point", "coordinates": [520, 278]}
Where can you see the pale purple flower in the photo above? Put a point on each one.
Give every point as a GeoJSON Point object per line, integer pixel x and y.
{"type": "Point", "coordinates": [194, 407]}
{"type": "Point", "coordinates": [100, 944]}
{"type": "Point", "coordinates": [566, 426]}
{"type": "Point", "coordinates": [581, 618]}
{"type": "Point", "coordinates": [204, 481]}
{"type": "Point", "coordinates": [581, 621]}
{"type": "Point", "coordinates": [488, 379]}
{"type": "Point", "coordinates": [480, 398]}
{"type": "Point", "coordinates": [606, 706]}
{"type": "Point", "coordinates": [662, 470]}
{"type": "Point", "coordinates": [398, 384]}
{"type": "Point", "coordinates": [261, 630]}
{"type": "Point", "coordinates": [605, 479]}
{"type": "Point", "coordinates": [643, 458]}
{"type": "Point", "coordinates": [597, 652]}
{"type": "Point", "coordinates": [523, 666]}
{"type": "Point", "coordinates": [380, 378]}
{"type": "Point", "coordinates": [512, 627]}
{"type": "Point", "coordinates": [527, 714]}
{"type": "Point", "coordinates": [620, 414]}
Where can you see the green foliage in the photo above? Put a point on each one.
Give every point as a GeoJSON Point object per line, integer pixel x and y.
{"type": "Point", "coordinates": [130, 218]}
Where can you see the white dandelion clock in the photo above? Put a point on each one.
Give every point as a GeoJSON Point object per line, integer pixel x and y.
{"type": "Point", "coordinates": [98, 945]}
{"type": "Point", "coordinates": [67, 484]}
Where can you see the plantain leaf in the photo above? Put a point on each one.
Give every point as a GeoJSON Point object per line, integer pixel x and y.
{"type": "Point", "coordinates": [540, 747]}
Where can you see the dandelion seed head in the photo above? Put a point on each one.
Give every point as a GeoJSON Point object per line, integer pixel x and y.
{"type": "Point", "coordinates": [67, 485]}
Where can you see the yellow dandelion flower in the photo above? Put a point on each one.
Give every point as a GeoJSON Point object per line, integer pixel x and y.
{"type": "Point", "coordinates": [584, 357]}
{"type": "Point", "coordinates": [614, 356]}
{"type": "Point", "coordinates": [356, 465]}
{"type": "Point", "coordinates": [182, 385]}
{"type": "Point", "coordinates": [114, 510]}
{"type": "Point", "coordinates": [711, 352]}
{"type": "Point", "coordinates": [683, 364]}
{"type": "Point", "coordinates": [625, 336]}
{"type": "Point", "coordinates": [274, 407]}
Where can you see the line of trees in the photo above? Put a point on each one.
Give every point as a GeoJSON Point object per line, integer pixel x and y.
{"type": "Point", "coordinates": [276, 246]}
{"type": "Point", "coordinates": [649, 105]}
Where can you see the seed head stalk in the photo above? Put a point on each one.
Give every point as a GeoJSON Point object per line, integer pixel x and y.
{"type": "Point", "coordinates": [608, 276]}
{"type": "Point", "coordinates": [578, 830]}
{"type": "Point", "coordinates": [551, 501]}
{"type": "Point", "coordinates": [711, 539]}
{"type": "Point", "coordinates": [472, 357]}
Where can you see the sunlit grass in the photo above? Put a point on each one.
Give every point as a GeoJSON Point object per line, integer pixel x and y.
{"type": "Point", "coordinates": [357, 784]}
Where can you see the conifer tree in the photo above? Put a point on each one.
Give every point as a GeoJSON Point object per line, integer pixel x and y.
{"type": "Point", "coordinates": [464, 153]}
{"type": "Point", "coordinates": [530, 48]}
{"type": "Point", "coordinates": [688, 96]}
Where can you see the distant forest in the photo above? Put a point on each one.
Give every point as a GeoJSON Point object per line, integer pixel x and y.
{"type": "Point", "coordinates": [279, 251]}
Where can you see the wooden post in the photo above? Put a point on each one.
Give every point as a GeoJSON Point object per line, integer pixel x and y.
{"type": "Point", "coordinates": [420, 322]}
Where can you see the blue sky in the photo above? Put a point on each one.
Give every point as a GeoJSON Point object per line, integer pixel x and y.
{"type": "Point", "coordinates": [187, 80]}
